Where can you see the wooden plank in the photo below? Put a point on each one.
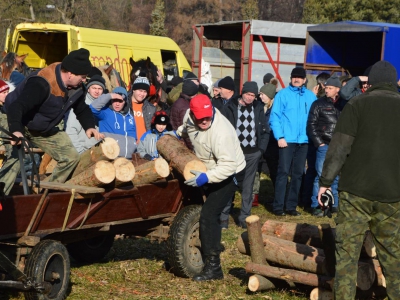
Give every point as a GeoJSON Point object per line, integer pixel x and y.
{"type": "Point", "coordinates": [68, 187]}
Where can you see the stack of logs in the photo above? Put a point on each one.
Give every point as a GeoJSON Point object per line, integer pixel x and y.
{"type": "Point", "coordinates": [100, 165]}
{"type": "Point", "coordinates": [302, 253]}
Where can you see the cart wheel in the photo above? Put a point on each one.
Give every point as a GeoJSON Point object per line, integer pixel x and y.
{"type": "Point", "coordinates": [183, 244]}
{"type": "Point", "coordinates": [49, 261]}
{"type": "Point", "coordinates": [91, 250]}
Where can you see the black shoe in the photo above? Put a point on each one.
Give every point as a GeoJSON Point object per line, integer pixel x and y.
{"type": "Point", "coordinates": [242, 225]}
{"type": "Point", "coordinates": [279, 213]}
{"type": "Point", "coordinates": [224, 224]}
{"type": "Point", "coordinates": [212, 269]}
{"type": "Point", "coordinates": [293, 213]}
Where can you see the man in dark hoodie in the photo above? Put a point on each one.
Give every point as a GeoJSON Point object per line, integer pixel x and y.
{"type": "Point", "coordinates": [248, 119]}
{"type": "Point", "coordinates": [365, 150]}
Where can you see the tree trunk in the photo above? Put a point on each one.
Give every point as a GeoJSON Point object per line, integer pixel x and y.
{"type": "Point", "coordinates": [124, 171]}
{"type": "Point", "coordinates": [298, 233]}
{"type": "Point", "coordinates": [151, 172]}
{"type": "Point", "coordinates": [321, 294]}
{"type": "Point", "coordinates": [289, 254]}
{"type": "Point", "coordinates": [46, 159]}
{"type": "Point", "coordinates": [258, 283]}
{"type": "Point", "coordinates": [179, 156]}
{"type": "Point", "coordinates": [288, 274]}
{"type": "Point", "coordinates": [102, 172]}
{"type": "Point", "coordinates": [256, 240]}
{"type": "Point", "coordinates": [108, 149]}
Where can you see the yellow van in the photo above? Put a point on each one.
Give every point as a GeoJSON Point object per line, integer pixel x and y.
{"type": "Point", "coordinates": [46, 43]}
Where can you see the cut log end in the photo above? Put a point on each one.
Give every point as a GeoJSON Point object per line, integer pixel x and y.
{"type": "Point", "coordinates": [259, 283]}
{"type": "Point", "coordinates": [321, 294]}
{"type": "Point", "coordinates": [110, 148]}
{"type": "Point", "coordinates": [124, 169]}
{"type": "Point", "coordinates": [195, 165]}
{"type": "Point", "coordinates": [104, 171]}
{"type": "Point", "coordinates": [252, 219]}
{"type": "Point", "coordinates": [162, 167]}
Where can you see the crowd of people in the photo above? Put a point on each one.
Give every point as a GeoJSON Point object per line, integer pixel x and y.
{"type": "Point", "coordinates": [65, 109]}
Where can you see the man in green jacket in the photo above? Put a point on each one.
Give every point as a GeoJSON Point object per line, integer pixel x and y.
{"type": "Point", "coordinates": [365, 150]}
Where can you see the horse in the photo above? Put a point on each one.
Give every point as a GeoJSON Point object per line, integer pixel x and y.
{"type": "Point", "coordinates": [112, 77]}
{"type": "Point", "coordinates": [145, 68]}
{"type": "Point", "coordinates": [13, 62]}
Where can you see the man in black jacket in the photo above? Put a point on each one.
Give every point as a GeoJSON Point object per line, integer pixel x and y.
{"type": "Point", "coordinates": [247, 117]}
{"type": "Point", "coordinates": [365, 150]}
{"type": "Point", "coordinates": [321, 123]}
{"type": "Point", "coordinates": [38, 106]}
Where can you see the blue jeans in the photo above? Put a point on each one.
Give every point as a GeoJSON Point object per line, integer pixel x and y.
{"type": "Point", "coordinates": [308, 182]}
{"type": "Point", "coordinates": [319, 163]}
{"type": "Point", "coordinates": [292, 160]}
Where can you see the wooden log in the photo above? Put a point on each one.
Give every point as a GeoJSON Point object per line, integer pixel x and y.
{"type": "Point", "coordinates": [51, 166]}
{"type": "Point", "coordinates": [151, 171]}
{"type": "Point", "coordinates": [107, 149]}
{"type": "Point", "coordinates": [256, 243]}
{"type": "Point", "coordinates": [380, 278]}
{"type": "Point", "coordinates": [101, 173]}
{"type": "Point", "coordinates": [46, 159]}
{"type": "Point", "coordinates": [289, 274]}
{"type": "Point", "coordinates": [124, 171]}
{"type": "Point", "coordinates": [369, 247]}
{"type": "Point", "coordinates": [298, 233]}
{"type": "Point", "coordinates": [179, 156]}
{"type": "Point", "coordinates": [289, 254]}
{"type": "Point", "coordinates": [321, 294]}
{"type": "Point", "coordinates": [259, 283]}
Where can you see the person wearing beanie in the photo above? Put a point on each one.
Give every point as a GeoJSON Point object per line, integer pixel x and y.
{"type": "Point", "coordinates": [267, 78]}
{"type": "Point", "coordinates": [4, 89]}
{"type": "Point", "coordinates": [160, 125]}
{"type": "Point", "coordinates": [247, 118]}
{"type": "Point", "coordinates": [216, 91]}
{"type": "Point", "coordinates": [216, 144]}
{"type": "Point", "coordinates": [175, 93]}
{"type": "Point", "coordinates": [143, 110]}
{"type": "Point", "coordinates": [116, 120]}
{"type": "Point", "coordinates": [322, 119]}
{"type": "Point", "coordinates": [271, 155]}
{"type": "Point", "coordinates": [227, 92]}
{"type": "Point", "coordinates": [288, 122]}
{"type": "Point", "coordinates": [95, 89]}
{"type": "Point", "coordinates": [356, 85]}
{"type": "Point", "coordinates": [52, 92]}
{"type": "Point", "coordinates": [364, 150]}
{"type": "Point", "coordinates": [179, 108]}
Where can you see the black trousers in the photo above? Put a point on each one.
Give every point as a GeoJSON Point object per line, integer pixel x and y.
{"type": "Point", "coordinates": [218, 195]}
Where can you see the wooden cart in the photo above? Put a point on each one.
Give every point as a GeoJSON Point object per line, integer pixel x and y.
{"type": "Point", "coordinates": [38, 232]}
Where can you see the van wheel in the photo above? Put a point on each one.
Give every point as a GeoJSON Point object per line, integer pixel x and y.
{"type": "Point", "coordinates": [49, 262]}
{"type": "Point", "coordinates": [183, 243]}
{"type": "Point", "coordinates": [91, 250]}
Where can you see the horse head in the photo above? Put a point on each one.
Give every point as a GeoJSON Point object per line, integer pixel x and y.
{"type": "Point", "coordinates": [145, 66]}
{"type": "Point", "coordinates": [11, 62]}
{"type": "Point", "coordinates": [112, 77]}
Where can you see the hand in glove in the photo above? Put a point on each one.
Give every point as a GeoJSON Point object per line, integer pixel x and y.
{"type": "Point", "coordinates": [199, 179]}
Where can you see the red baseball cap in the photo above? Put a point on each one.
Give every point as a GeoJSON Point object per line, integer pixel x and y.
{"type": "Point", "coordinates": [201, 106]}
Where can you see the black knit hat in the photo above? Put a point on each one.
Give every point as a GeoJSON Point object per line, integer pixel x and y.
{"type": "Point", "coordinates": [94, 71]}
{"type": "Point", "coordinates": [267, 78]}
{"type": "Point", "coordinates": [176, 80]}
{"type": "Point", "coordinates": [141, 83]}
{"type": "Point", "coordinates": [189, 88]}
{"type": "Point", "coordinates": [190, 76]}
{"type": "Point", "coordinates": [250, 87]}
{"type": "Point", "coordinates": [227, 83]}
{"type": "Point", "coordinates": [77, 62]}
{"type": "Point", "coordinates": [382, 71]}
{"type": "Point", "coordinates": [96, 79]}
{"type": "Point", "coordinates": [298, 72]}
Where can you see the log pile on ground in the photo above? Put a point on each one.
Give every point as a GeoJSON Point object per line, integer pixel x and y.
{"type": "Point", "coordinates": [302, 253]}
{"type": "Point", "coordinates": [179, 156]}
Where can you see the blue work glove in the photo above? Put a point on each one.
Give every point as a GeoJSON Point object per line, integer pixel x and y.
{"type": "Point", "coordinates": [172, 133]}
{"type": "Point", "coordinates": [199, 179]}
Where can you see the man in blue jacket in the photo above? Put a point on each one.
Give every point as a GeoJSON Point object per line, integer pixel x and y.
{"type": "Point", "coordinates": [288, 122]}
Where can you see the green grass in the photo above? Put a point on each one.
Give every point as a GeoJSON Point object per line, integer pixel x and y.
{"type": "Point", "coordinates": [134, 268]}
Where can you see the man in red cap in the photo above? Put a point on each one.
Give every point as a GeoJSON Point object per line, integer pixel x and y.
{"type": "Point", "coordinates": [216, 144]}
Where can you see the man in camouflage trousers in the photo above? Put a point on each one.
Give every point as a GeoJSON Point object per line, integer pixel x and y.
{"type": "Point", "coordinates": [365, 150]}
